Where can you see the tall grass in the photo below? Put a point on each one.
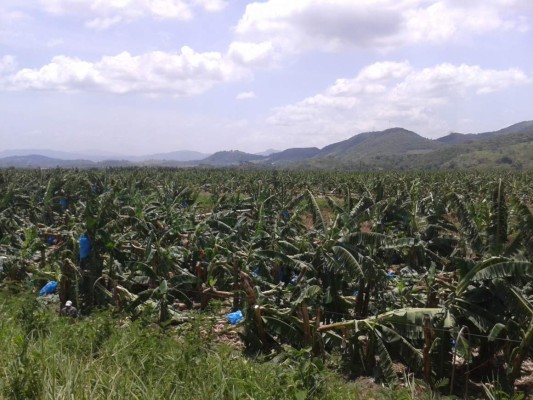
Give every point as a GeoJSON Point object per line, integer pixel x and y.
{"type": "Point", "coordinates": [103, 357]}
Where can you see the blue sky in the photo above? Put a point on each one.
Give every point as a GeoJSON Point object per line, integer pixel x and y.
{"type": "Point", "coordinates": [146, 76]}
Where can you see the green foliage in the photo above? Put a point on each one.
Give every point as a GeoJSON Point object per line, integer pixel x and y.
{"type": "Point", "coordinates": [319, 263]}
{"type": "Point", "coordinates": [101, 357]}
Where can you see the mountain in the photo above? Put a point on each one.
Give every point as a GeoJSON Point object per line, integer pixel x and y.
{"type": "Point", "coordinates": [391, 149]}
{"type": "Point", "coordinates": [510, 150]}
{"type": "Point", "coordinates": [268, 152]}
{"type": "Point", "coordinates": [232, 157]}
{"type": "Point", "coordinates": [38, 161]}
{"type": "Point", "coordinates": [387, 142]}
{"type": "Point", "coordinates": [399, 149]}
{"type": "Point", "coordinates": [521, 127]}
{"type": "Point", "coordinates": [98, 156]}
{"type": "Point", "coordinates": [182, 155]}
{"type": "Point", "coordinates": [60, 155]}
{"type": "Point", "coordinates": [370, 150]}
{"type": "Point", "coordinates": [295, 154]}
{"type": "Point", "coordinates": [459, 138]}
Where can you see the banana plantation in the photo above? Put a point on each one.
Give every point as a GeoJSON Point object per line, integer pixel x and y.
{"type": "Point", "coordinates": [428, 275]}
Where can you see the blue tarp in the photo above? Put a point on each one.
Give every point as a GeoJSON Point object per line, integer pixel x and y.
{"type": "Point", "coordinates": [49, 288]}
{"type": "Point", "coordinates": [85, 246]}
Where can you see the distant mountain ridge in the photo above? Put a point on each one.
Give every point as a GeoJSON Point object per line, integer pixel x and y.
{"type": "Point", "coordinates": [389, 141]}
{"type": "Point", "coordinates": [267, 152]}
{"type": "Point", "coordinates": [394, 148]}
{"type": "Point", "coordinates": [39, 161]}
{"type": "Point", "coordinates": [231, 157]}
{"type": "Point", "coordinates": [458, 138]}
{"type": "Point", "coordinates": [181, 155]}
{"type": "Point", "coordinates": [294, 154]}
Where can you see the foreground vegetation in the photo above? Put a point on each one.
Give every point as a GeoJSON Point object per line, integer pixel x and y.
{"type": "Point", "coordinates": [391, 276]}
{"type": "Point", "coordinates": [104, 357]}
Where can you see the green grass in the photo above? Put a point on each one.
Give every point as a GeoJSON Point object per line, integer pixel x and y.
{"type": "Point", "coordinates": [106, 357]}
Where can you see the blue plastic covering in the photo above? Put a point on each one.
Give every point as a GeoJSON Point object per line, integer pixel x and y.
{"type": "Point", "coordinates": [85, 246]}
{"type": "Point", "coordinates": [286, 214]}
{"type": "Point", "coordinates": [49, 288]}
{"type": "Point", "coordinates": [51, 240]}
{"type": "Point", "coordinates": [63, 203]}
{"type": "Point", "coordinates": [184, 204]}
{"type": "Point", "coordinates": [391, 275]}
{"type": "Point", "coordinates": [235, 317]}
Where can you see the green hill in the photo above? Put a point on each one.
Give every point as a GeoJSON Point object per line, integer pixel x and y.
{"type": "Point", "coordinates": [232, 157]}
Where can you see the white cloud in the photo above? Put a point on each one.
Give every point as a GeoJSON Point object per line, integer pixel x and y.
{"type": "Point", "coordinates": [328, 24]}
{"type": "Point", "coordinates": [246, 96]}
{"type": "Point", "coordinates": [248, 53]}
{"type": "Point", "coordinates": [212, 5]}
{"type": "Point", "coordinates": [103, 14]}
{"type": "Point", "coordinates": [181, 74]}
{"type": "Point", "coordinates": [441, 22]}
{"type": "Point", "coordinates": [334, 25]}
{"type": "Point", "coordinates": [394, 93]}
{"type": "Point", "coordinates": [100, 24]}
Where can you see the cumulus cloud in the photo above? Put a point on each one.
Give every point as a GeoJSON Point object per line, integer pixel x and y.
{"type": "Point", "coordinates": [248, 53]}
{"type": "Point", "coordinates": [100, 24]}
{"type": "Point", "coordinates": [184, 73]}
{"type": "Point", "coordinates": [395, 93]}
{"type": "Point", "coordinates": [104, 14]}
{"type": "Point", "coordinates": [333, 25]}
{"type": "Point", "coordinates": [246, 96]}
{"type": "Point", "coordinates": [212, 5]}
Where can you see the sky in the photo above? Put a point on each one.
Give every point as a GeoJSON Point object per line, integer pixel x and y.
{"type": "Point", "coordinates": [138, 77]}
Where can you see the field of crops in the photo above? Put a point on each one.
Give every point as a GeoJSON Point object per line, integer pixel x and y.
{"type": "Point", "coordinates": [394, 276]}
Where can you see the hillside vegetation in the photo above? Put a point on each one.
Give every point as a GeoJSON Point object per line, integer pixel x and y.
{"type": "Point", "coordinates": [513, 151]}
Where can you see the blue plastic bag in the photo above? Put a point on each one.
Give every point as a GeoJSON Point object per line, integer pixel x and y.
{"type": "Point", "coordinates": [235, 317]}
{"type": "Point", "coordinates": [49, 288]}
{"type": "Point", "coordinates": [63, 203]}
{"type": "Point", "coordinates": [85, 246]}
